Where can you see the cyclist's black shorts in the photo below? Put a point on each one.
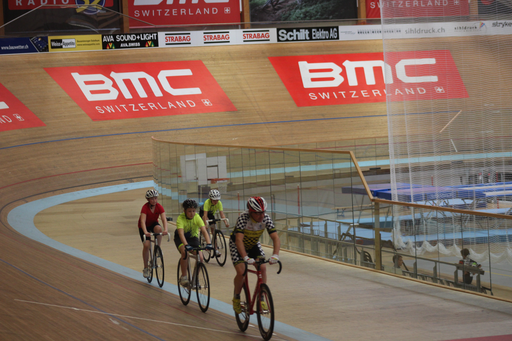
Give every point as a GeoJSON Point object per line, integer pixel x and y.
{"type": "Point", "coordinates": [211, 216]}
{"type": "Point", "coordinates": [149, 228]}
{"type": "Point", "coordinates": [192, 241]}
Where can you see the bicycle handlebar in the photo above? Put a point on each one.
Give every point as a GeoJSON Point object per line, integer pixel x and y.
{"type": "Point", "coordinates": [214, 220]}
{"type": "Point", "coordinates": [260, 262]}
{"type": "Point", "coordinates": [159, 234]}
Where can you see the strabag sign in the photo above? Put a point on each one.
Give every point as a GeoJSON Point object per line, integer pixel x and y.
{"type": "Point", "coordinates": [110, 92]}
{"type": "Point", "coordinates": [14, 114]}
{"type": "Point", "coordinates": [183, 12]}
{"type": "Point", "coordinates": [365, 77]}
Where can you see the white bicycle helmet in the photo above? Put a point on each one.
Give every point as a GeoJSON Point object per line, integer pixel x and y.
{"type": "Point", "coordinates": [256, 204]}
{"type": "Point", "coordinates": [151, 193]}
{"type": "Point", "coordinates": [214, 194]}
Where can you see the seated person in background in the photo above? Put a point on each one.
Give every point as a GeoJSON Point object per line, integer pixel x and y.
{"type": "Point", "coordinates": [398, 261]}
{"type": "Point", "coordinates": [468, 277]}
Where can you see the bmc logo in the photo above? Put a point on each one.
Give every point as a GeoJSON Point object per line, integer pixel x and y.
{"type": "Point", "coordinates": [109, 92]}
{"type": "Point", "coordinates": [366, 78]}
{"type": "Point", "coordinates": [14, 114]}
{"type": "Point", "coordinates": [181, 2]}
{"type": "Point", "coordinates": [178, 12]}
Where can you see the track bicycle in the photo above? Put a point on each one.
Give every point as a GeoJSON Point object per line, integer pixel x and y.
{"type": "Point", "coordinates": [262, 298]}
{"type": "Point", "coordinates": [156, 259]}
{"type": "Point", "coordinates": [198, 280]}
{"type": "Point", "coordinates": [219, 243]}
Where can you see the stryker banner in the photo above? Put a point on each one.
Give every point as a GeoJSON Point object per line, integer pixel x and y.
{"type": "Point", "coordinates": [14, 114]}
{"type": "Point", "coordinates": [111, 92]}
{"type": "Point", "coordinates": [183, 12]}
{"type": "Point", "coordinates": [365, 77]}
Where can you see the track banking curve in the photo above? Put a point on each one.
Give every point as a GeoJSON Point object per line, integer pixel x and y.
{"type": "Point", "coordinates": [47, 292]}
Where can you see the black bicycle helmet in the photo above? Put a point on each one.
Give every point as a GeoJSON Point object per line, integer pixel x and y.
{"type": "Point", "coordinates": [189, 203]}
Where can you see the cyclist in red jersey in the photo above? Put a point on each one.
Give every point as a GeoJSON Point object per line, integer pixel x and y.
{"type": "Point", "coordinates": [148, 223]}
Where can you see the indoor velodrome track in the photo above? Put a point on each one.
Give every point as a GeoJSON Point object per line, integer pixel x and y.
{"type": "Point", "coordinates": [71, 191]}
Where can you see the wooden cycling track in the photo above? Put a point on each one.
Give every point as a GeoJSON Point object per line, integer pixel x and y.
{"type": "Point", "coordinates": [47, 294]}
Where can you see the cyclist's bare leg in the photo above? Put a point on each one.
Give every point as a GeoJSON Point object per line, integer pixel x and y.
{"type": "Point", "coordinates": [239, 278]}
{"type": "Point", "coordinates": [263, 269]}
{"type": "Point", "coordinates": [145, 252]}
{"type": "Point", "coordinates": [183, 262]}
{"type": "Point", "coordinates": [158, 229]}
{"type": "Point", "coordinates": [212, 235]}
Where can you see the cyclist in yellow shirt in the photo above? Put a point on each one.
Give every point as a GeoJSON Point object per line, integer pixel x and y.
{"type": "Point", "coordinates": [211, 206]}
{"type": "Point", "coordinates": [188, 226]}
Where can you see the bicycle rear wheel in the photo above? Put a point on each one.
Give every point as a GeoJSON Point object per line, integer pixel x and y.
{"type": "Point", "coordinates": [265, 312]}
{"type": "Point", "coordinates": [220, 242]}
{"type": "Point", "coordinates": [202, 286]}
{"type": "Point", "coordinates": [158, 259]}
{"type": "Point", "coordinates": [242, 319]}
{"type": "Point", "coordinates": [184, 291]}
{"type": "Point", "coordinates": [206, 253]}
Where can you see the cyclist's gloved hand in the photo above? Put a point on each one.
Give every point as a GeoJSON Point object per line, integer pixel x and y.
{"type": "Point", "coordinates": [209, 247]}
{"type": "Point", "coordinates": [189, 248]}
{"type": "Point", "coordinates": [274, 259]}
{"type": "Point", "coordinates": [248, 260]}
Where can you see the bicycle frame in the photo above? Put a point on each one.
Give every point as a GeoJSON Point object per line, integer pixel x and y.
{"type": "Point", "coordinates": [155, 258]}
{"type": "Point", "coordinates": [198, 280]}
{"type": "Point", "coordinates": [259, 281]}
{"type": "Point", "coordinates": [260, 303]}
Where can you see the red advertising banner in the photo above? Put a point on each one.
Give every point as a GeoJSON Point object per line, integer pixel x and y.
{"type": "Point", "coordinates": [14, 114]}
{"type": "Point", "coordinates": [31, 4]}
{"type": "Point", "coordinates": [365, 78]}
{"type": "Point", "coordinates": [416, 8]}
{"type": "Point", "coordinates": [183, 12]}
{"type": "Point", "coordinates": [111, 92]}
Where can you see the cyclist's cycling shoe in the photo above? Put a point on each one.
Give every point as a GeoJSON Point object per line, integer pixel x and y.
{"type": "Point", "coordinates": [184, 281]}
{"type": "Point", "coordinates": [146, 272]}
{"type": "Point", "coordinates": [264, 305]}
{"type": "Point", "coordinates": [217, 253]}
{"type": "Point", "coordinates": [236, 305]}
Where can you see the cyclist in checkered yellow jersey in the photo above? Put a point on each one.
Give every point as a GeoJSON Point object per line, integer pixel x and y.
{"type": "Point", "coordinates": [244, 243]}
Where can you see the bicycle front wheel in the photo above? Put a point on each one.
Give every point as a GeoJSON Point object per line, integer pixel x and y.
{"type": "Point", "coordinates": [221, 251]}
{"type": "Point", "coordinates": [202, 285]}
{"type": "Point", "coordinates": [242, 319]}
{"type": "Point", "coordinates": [183, 290]}
{"type": "Point", "coordinates": [265, 312]}
{"type": "Point", "coordinates": [158, 259]}
{"type": "Point", "coordinates": [206, 253]}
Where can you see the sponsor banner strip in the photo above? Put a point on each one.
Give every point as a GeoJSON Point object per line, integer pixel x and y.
{"type": "Point", "coordinates": [254, 36]}
{"type": "Point", "coordinates": [425, 30]}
